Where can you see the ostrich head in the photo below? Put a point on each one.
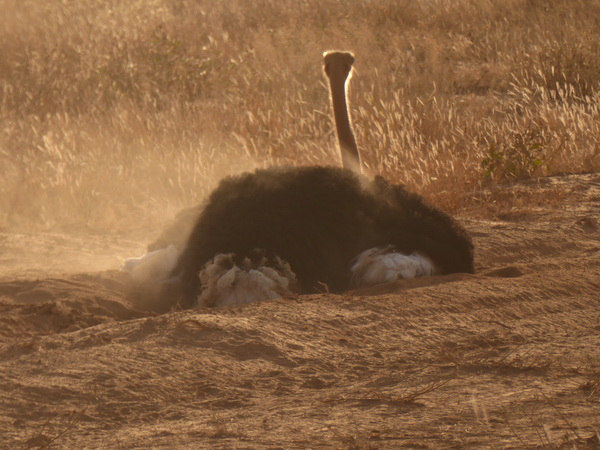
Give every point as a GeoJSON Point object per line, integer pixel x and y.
{"type": "Point", "coordinates": [338, 68]}
{"type": "Point", "coordinates": [338, 65]}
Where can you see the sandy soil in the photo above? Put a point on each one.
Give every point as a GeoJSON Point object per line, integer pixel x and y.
{"type": "Point", "coordinates": [506, 358]}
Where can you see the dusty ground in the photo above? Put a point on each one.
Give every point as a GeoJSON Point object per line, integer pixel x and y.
{"type": "Point", "coordinates": [509, 357]}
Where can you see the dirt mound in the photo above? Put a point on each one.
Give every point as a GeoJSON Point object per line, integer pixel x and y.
{"type": "Point", "coordinates": [58, 305]}
{"type": "Point", "coordinates": [508, 357]}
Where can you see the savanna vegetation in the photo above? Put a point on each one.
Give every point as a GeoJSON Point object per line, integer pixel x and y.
{"type": "Point", "coordinates": [118, 113]}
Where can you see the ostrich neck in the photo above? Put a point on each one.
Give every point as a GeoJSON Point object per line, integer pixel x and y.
{"type": "Point", "coordinates": [348, 147]}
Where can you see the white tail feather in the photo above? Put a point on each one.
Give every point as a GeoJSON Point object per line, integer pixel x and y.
{"type": "Point", "coordinates": [153, 267]}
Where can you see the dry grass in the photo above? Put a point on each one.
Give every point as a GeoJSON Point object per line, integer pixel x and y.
{"type": "Point", "coordinates": [120, 113]}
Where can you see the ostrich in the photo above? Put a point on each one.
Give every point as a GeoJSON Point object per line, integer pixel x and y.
{"type": "Point", "coordinates": [285, 230]}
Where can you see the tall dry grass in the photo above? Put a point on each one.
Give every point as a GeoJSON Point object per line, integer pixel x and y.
{"type": "Point", "coordinates": [119, 113]}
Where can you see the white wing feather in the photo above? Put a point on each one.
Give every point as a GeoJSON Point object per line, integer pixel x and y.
{"type": "Point", "coordinates": [225, 283]}
{"type": "Point", "coordinates": [382, 265]}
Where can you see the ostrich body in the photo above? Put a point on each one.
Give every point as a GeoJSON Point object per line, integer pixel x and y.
{"type": "Point", "coordinates": [310, 229]}
{"type": "Point", "coordinates": [319, 219]}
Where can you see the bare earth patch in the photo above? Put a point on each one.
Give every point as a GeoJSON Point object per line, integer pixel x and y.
{"type": "Point", "coordinates": [509, 357]}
